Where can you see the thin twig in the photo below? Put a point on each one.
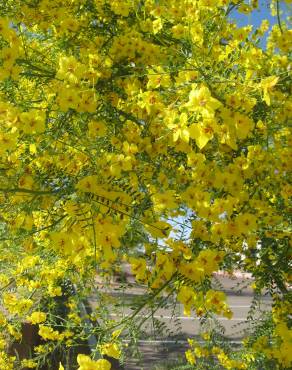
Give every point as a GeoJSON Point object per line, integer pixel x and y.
{"type": "Point", "coordinates": [278, 16]}
{"type": "Point", "coordinates": [29, 191]}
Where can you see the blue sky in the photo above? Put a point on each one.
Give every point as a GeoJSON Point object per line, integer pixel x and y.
{"type": "Point", "coordinates": [256, 17]}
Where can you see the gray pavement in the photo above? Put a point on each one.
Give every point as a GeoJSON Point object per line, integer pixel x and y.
{"type": "Point", "coordinates": [156, 347]}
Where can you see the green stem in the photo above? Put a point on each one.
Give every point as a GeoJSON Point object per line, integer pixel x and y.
{"type": "Point", "coordinates": [28, 191]}
{"type": "Point", "coordinates": [278, 16]}
{"type": "Point", "coordinates": [35, 231]}
{"type": "Point", "coordinates": [108, 205]}
{"type": "Point", "coordinates": [140, 308]}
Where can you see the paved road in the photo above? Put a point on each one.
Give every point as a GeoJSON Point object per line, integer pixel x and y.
{"type": "Point", "coordinates": [156, 348]}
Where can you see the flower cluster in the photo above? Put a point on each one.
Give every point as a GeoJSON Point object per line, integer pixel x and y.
{"type": "Point", "coordinates": [151, 134]}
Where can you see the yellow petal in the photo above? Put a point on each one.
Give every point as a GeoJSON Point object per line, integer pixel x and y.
{"type": "Point", "coordinates": [198, 134]}
{"type": "Point", "coordinates": [32, 148]}
{"type": "Point", "coordinates": [185, 135]}
{"type": "Point", "coordinates": [176, 135]}
{"type": "Point", "coordinates": [202, 140]}
{"type": "Point", "coordinates": [183, 118]}
{"type": "Point", "coordinates": [269, 82]}
{"type": "Point", "coordinates": [159, 229]}
{"type": "Point", "coordinates": [194, 130]}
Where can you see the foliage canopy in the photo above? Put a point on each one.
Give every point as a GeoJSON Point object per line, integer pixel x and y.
{"type": "Point", "coordinates": [149, 133]}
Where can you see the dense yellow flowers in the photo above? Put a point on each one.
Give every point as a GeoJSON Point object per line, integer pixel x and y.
{"type": "Point", "coordinates": [150, 134]}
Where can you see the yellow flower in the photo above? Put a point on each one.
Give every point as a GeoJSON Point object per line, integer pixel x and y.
{"type": "Point", "coordinates": [96, 129]}
{"type": "Point", "coordinates": [26, 182]}
{"type": "Point", "coordinates": [69, 24]}
{"type": "Point", "coordinates": [192, 270]}
{"type": "Point", "coordinates": [179, 31]}
{"type": "Point", "coordinates": [209, 260]}
{"type": "Point", "coordinates": [139, 268]}
{"type": "Point", "coordinates": [26, 363]}
{"type": "Point", "coordinates": [120, 7]}
{"type": "Point", "coordinates": [69, 69]}
{"type": "Point", "coordinates": [88, 184]}
{"type": "Point", "coordinates": [209, 3]}
{"type": "Point", "coordinates": [243, 125]}
{"type": "Point", "coordinates": [8, 55]}
{"type": "Point", "coordinates": [157, 25]}
{"type": "Point", "coordinates": [215, 301]}
{"type": "Point", "coordinates": [15, 304]}
{"type": "Point", "coordinates": [158, 77]}
{"type": "Point", "coordinates": [187, 297]}
{"type": "Point", "coordinates": [246, 222]}
{"type": "Point", "coordinates": [158, 229]}
{"type": "Point", "coordinates": [190, 356]}
{"type": "Point", "coordinates": [37, 317]}
{"type": "Point", "coordinates": [68, 98]}
{"type": "Point", "coordinates": [111, 350]}
{"type": "Point", "coordinates": [179, 128]}
{"type": "Point", "coordinates": [86, 363]}
{"type": "Point", "coordinates": [48, 333]}
{"type": "Point", "coordinates": [201, 101]}
{"type": "Point", "coordinates": [32, 122]}
{"type": "Point", "coordinates": [116, 333]}
{"type": "Point", "coordinates": [8, 141]}
{"type": "Point", "coordinates": [5, 29]}
{"type": "Point", "coordinates": [61, 242]}
{"type": "Point", "coordinates": [267, 85]}
{"type": "Point", "coordinates": [88, 102]}
{"type": "Point", "coordinates": [196, 159]}
{"type": "Point", "coordinates": [162, 201]}
{"type": "Point", "coordinates": [203, 132]}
